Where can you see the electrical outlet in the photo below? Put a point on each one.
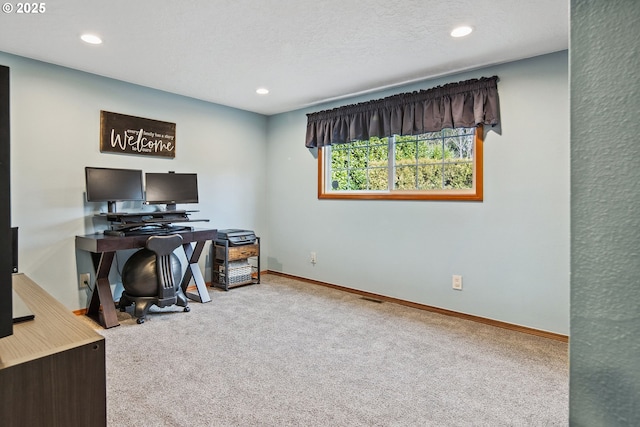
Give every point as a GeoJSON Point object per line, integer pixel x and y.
{"type": "Point", "coordinates": [313, 258]}
{"type": "Point", "coordinates": [85, 279]}
{"type": "Point", "coordinates": [457, 282]}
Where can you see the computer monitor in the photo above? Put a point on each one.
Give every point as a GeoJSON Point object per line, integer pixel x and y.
{"type": "Point", "coordinates": [113, 185]}
{"type": "Point", "coordinates": [171, 188]}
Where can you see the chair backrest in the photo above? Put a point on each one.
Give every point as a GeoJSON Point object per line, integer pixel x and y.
{"type": "Point", "coordinates": [163, 247]}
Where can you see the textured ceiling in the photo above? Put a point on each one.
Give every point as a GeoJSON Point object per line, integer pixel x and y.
{"type": "Point", "coordinates": [305, 52]}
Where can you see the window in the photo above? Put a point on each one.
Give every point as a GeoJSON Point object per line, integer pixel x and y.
{"type": "Point", "coordinates": [445, 165]}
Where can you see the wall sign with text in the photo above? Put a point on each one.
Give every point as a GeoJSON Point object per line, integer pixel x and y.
{"type": "Point", "coordinates": [124, 134]}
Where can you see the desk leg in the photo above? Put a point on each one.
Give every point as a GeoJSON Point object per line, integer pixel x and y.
{"type": "Point", "coordinates": [193, 270]}
{"type": "Point", "coordinates": [101, 294]}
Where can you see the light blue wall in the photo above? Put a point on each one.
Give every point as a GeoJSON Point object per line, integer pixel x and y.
{"type": "Point", "coordinates": [605, 213]}
{"type": "Point", "coordinates": [55, 122]}
{"type": "Point", "coordinates": [512, 249]}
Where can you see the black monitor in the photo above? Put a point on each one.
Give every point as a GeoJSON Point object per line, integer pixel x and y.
{"type": "Point", "coordinates": [171, 188]}
{"type": "Point", "coordinates": [113, 185]}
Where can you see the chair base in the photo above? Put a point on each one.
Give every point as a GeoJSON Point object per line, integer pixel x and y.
{"type": "Point", "coordinates": [142, 304]}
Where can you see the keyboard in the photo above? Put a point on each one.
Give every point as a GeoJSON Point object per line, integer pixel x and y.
{"type": "Point", "coordinates": [148, 231]}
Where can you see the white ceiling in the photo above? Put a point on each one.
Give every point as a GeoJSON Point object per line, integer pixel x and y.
{"type": "Point", "coordinates": [304, 51]}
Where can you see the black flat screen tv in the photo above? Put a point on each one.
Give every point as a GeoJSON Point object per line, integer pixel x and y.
{"type": "Point", "coordinates": [6, 279]}
{"type": "Point", "coordinates": [113, 185]}
{"type": "Point", "coordinates": [171, 188]}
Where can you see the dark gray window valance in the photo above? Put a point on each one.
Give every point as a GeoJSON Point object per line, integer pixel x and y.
{"type": "Point", "coordinates": [463, 104]}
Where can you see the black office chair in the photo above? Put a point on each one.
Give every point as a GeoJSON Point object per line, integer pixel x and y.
{"type": "Point", "coordinates": [152, 275]}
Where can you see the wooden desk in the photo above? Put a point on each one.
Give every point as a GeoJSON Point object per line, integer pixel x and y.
{"type": "Point", "coordinates": [103, 249]}
{"type": "Point", "coordinates": [52, 369]}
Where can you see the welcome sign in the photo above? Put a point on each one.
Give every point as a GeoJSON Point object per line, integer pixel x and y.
{"type": "Point", "coordinates": [124, 134]}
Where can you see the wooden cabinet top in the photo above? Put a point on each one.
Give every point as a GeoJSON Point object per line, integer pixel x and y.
{"type": "Point", "coordinates": [54, 329]}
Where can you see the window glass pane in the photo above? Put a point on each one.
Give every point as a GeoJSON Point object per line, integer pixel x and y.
{"type": "Point", "coordinates": [357, 179]}
{"type": "Point", "coordinates": [405, 178]}
{"type": "Point", "coordinates": [468, 144]}
{"type": "Point", "coordinates": [359, 156]}
{"type": "Point", "coordinates": [339, 180]}
{"type": "Point", "coordinates": [424, 150]}
{"type": "Point", "coordinates": [379, 178]}
{"type": "Point", "coordinates": [379, 155]}
{"type": "Point", "coordinates": [339, 157]}
{"type": "Point", "coordinates": [458, 175]}
{"type": "Point", "coordinates": [431, 136]}
{"type": "Point", "coordinates": [430, 150]}
{"type": "Point", "coordinates": [430, 176]}
{"type": "Point", "coordinates": [378, 141]}
{"type": "Point", "coordinates": [460, 147]}
{"type": "Point", "coordinates": [453, 148]}
{"type": "Point", "coordinates": [405, 149]}
{"type": "Point", "coordinates": [358, 143]}
{"type": "Point", "coordinates": [449, 132]}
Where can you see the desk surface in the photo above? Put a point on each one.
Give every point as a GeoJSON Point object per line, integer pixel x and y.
{"type": "Point", "coordinates": [62, 329]}
{"type": "Point", "coordinates": [98, 243]}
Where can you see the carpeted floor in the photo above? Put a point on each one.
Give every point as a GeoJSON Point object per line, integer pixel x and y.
{"type": "Point", "coordinates": [288, 353]}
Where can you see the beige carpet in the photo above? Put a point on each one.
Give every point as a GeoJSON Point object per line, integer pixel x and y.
{"type": "Point", "coordinates": [288, 353]}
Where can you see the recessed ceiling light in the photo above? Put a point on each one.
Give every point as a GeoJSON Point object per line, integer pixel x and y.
{"type": "Point", "coordinates": [461, 31]}
{"type": "Point", "coordinates": [262, 91]}
{"type": "Point", "coordinates": [91, 39]}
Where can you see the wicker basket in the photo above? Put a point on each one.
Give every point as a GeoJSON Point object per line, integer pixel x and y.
{"type": "Point", "coordinates": [239, 272]}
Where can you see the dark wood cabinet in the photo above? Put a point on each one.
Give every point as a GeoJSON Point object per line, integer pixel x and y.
{"type": "Point", "coordinates": [52, 369]}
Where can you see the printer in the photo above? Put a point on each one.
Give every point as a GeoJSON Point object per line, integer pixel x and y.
{"type": "Point", "coordinates": [237, 237]}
